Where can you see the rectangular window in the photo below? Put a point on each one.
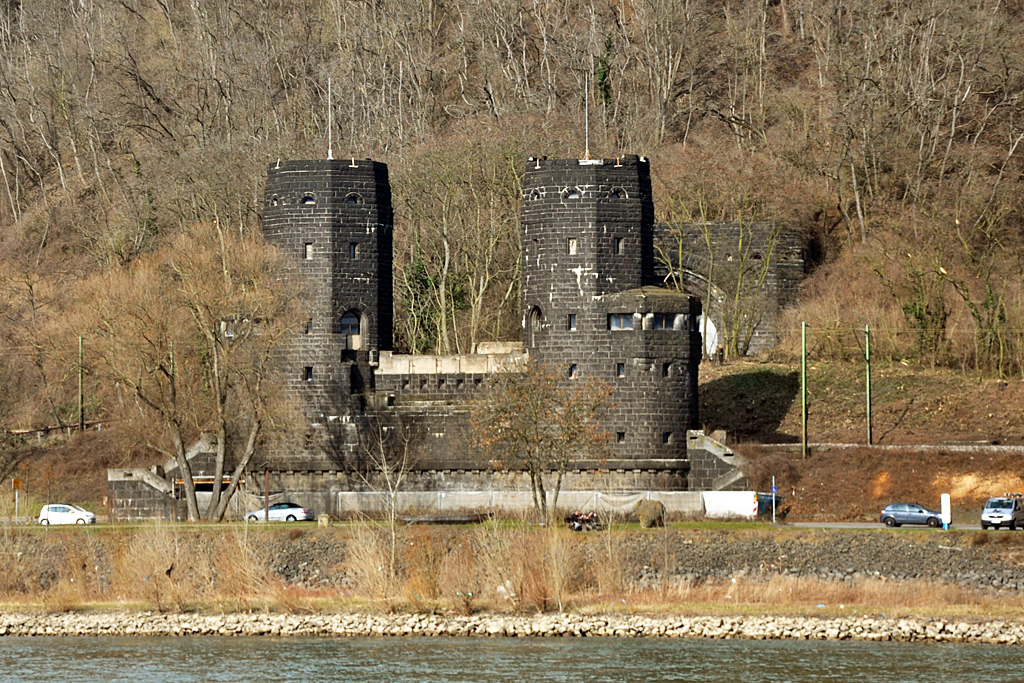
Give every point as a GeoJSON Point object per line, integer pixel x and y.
{"type": "Point", "coordinates": [572, 322]}
{"type": "Point", "coordinates": [352, 249]}
{"type": "Point", "coordinates": [571, 246]}
{"type": "Point", "coordinates": [309, 326]}
{"type": "Point", "coordinates": [620, 369]}
{"type": "Point", "coordinates": [663, 321]}
{"type": "Point", "coordinates": [620, 437]}
{"type": "Point", "coordinates": [620, 321]}
{"type": "Point", "coordinates": [308, 373]}
{"type": "Point", "coordinates": [617, 245]}
{"type": "Point", "coordinates": [572, 371]}
{"type": "Point", "coordinates": [666, 437]}
{"type": "Point", "coordinates": [308, 251]}
{"type": "Point", "coordinates": [666, 369]}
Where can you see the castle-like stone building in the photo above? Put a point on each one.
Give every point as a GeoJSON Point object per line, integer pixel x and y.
{"type": "Point", "coordinates": [593, 300]}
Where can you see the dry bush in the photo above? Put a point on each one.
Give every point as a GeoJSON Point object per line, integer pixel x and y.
{"type": "Point", "coordinates": [837, 301]}
{"type": "Point", "coordinates": [368, 560]}
{"type": "Point", "coordinates": [166, 568]}
{"type": "Point", "coordinates": [528, 570]}
{"type": "Point", "coordinates": [425, 555]}
{"type": "Point", "coordinates": [145, 566]}
{"type": "Point", "coordinates": [239, 575]}
{"type": "Point", "coordinates": [608, 568]}
{"type": "Point", "coordinates": [460, 578]}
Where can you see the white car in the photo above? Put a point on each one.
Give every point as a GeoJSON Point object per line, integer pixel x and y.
{"type": "Point", "coordinates": [282, 512]}
{"type": "Point", "coordinates": [62, 513]}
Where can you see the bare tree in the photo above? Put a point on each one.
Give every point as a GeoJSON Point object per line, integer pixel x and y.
{"type": "Point", "coordinates": [535, 419]}
{"type": "Point", "coordinates": [191, 332]}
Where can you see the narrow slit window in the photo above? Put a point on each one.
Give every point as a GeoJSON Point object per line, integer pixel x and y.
{"type": "Point", "coordinates": [573, 372]}
{"type": "Point", "coordinates": [309, 326]}
{"type": "Point", "coordinates": [571, 246]}
{"type": "Point", "coordinates": [352, 249]}
{"type": "Point", "coordinates": [620, 369]}
{"type": "Point", "coordinates": [620, 437]}
{"type": "Point", "coordinates": [307, 251]}
{"type": "Point", "coordinates": [617, 245]}
{"type": "Point", "coordinates": [571, 323]}
{"type": "Point", "coordinates": [307, 373]}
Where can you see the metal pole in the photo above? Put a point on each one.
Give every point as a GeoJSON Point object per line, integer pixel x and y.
{"type": "Point", "coordinates": [81, 408]}
{"type": "Point", "coordinates": [867, 380]}
{"type": "Point", "coordinates": [773, 499]}
{"type": "Point", "coordinates": [803, 389]}
{"type": "Point", "coordinates": [266, 493]}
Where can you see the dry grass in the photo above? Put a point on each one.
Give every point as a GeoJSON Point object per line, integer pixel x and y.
{"type": "Point", "coordinates": [499, 567]}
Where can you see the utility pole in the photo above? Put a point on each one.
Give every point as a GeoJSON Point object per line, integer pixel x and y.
{"type": "Point", "coordinates": [803, 389]}
{"type": "Point", "coordinates": [867, 380]}
{"type": "Point", "coordinates": [81, 407]}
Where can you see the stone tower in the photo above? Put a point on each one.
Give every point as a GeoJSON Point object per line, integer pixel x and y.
{"type": "Point", "coordinates": [334, 217]}
{"type": "Point", "coordinates": [590, 301]}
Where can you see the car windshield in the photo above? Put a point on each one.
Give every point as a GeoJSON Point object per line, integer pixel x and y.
{"type": "Point", "coordinates": [999, 503]}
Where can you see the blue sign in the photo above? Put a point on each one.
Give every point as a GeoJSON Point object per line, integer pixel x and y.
{"type": "Point", "coordinates": [774, 490]}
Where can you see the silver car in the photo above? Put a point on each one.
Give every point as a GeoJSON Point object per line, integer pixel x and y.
{"type": "Point", "coordinates": [898, 514]}
{"type": "Point", "coordinates": [281, 512]}
{"type": "Point", "coordinates": [63, 513]}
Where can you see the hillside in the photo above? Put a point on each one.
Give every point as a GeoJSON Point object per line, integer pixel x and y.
{"type": "Point", "coordinates": [759, 404]}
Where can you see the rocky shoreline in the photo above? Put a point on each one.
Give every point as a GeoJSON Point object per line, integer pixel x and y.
{"type": "Point", "coordinates": [499, 625]}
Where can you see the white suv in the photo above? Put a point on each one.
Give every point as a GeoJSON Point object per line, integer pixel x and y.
{"type": "Point", "coordinates": [1006, 510]}
{"type": "Point", "coordinates": [62, 513]}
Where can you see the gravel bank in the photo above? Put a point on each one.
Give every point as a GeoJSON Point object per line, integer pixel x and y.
{"type": "Point", "coordinates": [540, 626]}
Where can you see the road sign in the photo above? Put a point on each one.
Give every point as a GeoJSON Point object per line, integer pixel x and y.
{"type": "Point", "coordinates": [17, 484]}
{"type": "Point", "coordinates": [775, 490]}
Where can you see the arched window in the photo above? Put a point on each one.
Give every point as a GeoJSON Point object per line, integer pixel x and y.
{"type": "Point", "coordinates": [572, 193]}
{"type": "Point", "coordinates": [533, 326]}
{"type": "Point", "coordinates": [350, 323]}
{"type": "Point", "coordinates": [353, 198]}
{"type": "Point", "coordinates": [308, 199]}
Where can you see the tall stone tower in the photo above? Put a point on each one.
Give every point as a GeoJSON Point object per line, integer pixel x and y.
{"type": "Point", "coordinates": [334, 217]}
{"type": "Point", "coordinates": [590, 301]}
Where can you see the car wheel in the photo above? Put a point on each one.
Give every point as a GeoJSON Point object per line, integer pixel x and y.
{"type": "Point", "coordinates": [890, 522]}
{"type": "Point", "coordinates": [253, 518]}
{"type": "Point", "coordinates": [79, 521]}
{"type": "Point", "coordinates": [290, 518]}
{"type": "Point", "coordinates": [1013, 525]}
{"type": "Point", "coordinates": [44, 522]}
{"type": "Point", "coordinates": [932, 522]}
{"type": "Point", "coordinates": [984, 526]}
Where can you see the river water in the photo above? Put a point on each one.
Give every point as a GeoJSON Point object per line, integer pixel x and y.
{"type": "Point", "coordinates": [392, 660]}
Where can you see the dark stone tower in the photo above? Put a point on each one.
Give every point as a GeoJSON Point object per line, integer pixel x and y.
{"type": "Point", "coordinates": [590, 300]}
{"type": "Point", "coordinates": [334, 217]}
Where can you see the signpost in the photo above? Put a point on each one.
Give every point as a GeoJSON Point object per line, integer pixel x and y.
{"type": "Point", "coordinates": [16, 484]}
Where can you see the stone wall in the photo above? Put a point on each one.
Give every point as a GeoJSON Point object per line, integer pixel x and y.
{"type": "Point", "coordinates": [736, 248]}
{"type": "Point", "coordinates": [139, 495]}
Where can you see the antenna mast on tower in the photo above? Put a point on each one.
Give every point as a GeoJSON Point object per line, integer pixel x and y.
{"type": "Point", "coordinates": [330, 123]}
{"type": "Point", "coordinates": [586, 114]}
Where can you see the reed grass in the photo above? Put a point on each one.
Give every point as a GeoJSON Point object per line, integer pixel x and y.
{"type": "Point", "coordinates": [502, 566]}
